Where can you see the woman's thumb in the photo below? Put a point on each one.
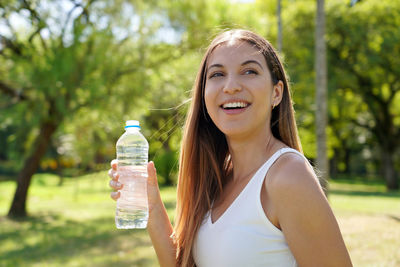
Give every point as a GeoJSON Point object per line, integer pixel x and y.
{"type": "Point", "coordinates": [151, 171]}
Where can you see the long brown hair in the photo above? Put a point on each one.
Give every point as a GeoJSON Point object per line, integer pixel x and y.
{"type": "Point", "coordinates": [204, 159]}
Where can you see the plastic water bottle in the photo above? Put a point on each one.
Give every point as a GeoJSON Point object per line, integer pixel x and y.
{"type": "Point", "coordinates": [132, 154]}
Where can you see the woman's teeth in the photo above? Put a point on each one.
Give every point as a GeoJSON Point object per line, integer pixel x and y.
{"type": "Point", "coordinates": [233, 105]}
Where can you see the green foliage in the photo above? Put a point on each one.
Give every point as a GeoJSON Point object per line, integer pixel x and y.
{"type": "Point", "coordinates": [119, 60]}
{"type": "Point", "coordinates": [298, 54]}
{"type": "Point", "coordinates": [362, 86]}
{"type": "Point", "coordinates": [89, 75]}
{"type": "Point", "coordinates": [361, 51]}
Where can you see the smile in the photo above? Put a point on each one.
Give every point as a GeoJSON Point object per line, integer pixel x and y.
{"type": "Point", "coordinates": [235, 105]}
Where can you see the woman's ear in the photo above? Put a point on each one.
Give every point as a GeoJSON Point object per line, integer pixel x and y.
{"type": "Point", "coordinates": [277, 93]}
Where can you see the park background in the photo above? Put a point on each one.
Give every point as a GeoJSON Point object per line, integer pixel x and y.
{"type": "Point", "coordinates": [72, 72]}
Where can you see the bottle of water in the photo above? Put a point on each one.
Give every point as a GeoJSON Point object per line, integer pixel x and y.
{"type": "Point", "coordinates": [132, 154]}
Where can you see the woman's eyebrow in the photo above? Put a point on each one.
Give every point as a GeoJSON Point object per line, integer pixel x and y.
{"type": "Point", "coordinates": [215, 66]}
{"type": "Point", "coordinates": [251, 61]}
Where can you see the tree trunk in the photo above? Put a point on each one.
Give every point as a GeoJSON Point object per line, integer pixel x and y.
{"type": "Point", "coordinates": [334, 163]}
{"type": "Point", "coordinates": [18, 206]}
{"type": "Point", "coordinates": [278, 14]}
{"type": "Point", "coordinates": [388, 169]}
{"type": "Point", "coordinates": [321, 99]}
{"type": "Point", "coordinates": [347, 155]}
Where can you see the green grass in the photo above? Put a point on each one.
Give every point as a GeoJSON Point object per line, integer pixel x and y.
{"type": "Point", "coordinates": [73, 224]}
{"type": "Point", "coordinates": [369, 218]}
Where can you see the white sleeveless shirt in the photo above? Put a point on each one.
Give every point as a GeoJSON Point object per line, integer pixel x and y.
{"type": "Point", "coordinates": [243, 235]}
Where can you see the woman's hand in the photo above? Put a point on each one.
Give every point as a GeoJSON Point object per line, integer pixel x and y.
{"type": "Point", "coordinates": [153, 192]}
{"type": "Point", "coordinates": [159, 226]}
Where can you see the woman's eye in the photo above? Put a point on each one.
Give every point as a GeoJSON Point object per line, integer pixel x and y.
{"type": "Point", "coordinates": [250, 72]}
{"type": "Point", "coordinates": [216, 74]}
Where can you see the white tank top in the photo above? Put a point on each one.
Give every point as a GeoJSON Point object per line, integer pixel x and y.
{"type": "Point", "coordinates": [243, 235]}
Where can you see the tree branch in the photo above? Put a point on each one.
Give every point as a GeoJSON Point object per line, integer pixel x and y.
{"type": "Point", "coordinates": [362, 125]}
{"type": "Point", "coordinates": [394, 86]}
{"type": "Point", "coordinates": [8, 90]}
{"type": "Point", "coordinates": [32, 11]}
{"type": "Point", "coordinates": [14, 46]}
{"type": "Point", "coordinates": [68, 19]}
{"type": "Point", "coordinates": [37, 32]}
{"type": "Point", "coordinates": [40, 23]}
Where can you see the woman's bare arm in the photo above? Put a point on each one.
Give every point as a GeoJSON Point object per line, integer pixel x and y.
{"type": "Point", "coordinates": [304, 215]}
{"type": "Point", "coordinates": [159, 226]}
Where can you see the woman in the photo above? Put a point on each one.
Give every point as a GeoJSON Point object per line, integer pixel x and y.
{"type": "Point", "coordinates": [246, 194]}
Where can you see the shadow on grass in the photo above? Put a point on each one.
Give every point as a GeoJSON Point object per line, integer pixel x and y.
{"type": "Point", "coordinates": [396, 218]}
{"type": "Point", "coordinates": [53, 239]}
{"type": "Point", "coordinates": [365, 193]}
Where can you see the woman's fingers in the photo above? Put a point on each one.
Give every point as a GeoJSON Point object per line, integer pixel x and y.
{"type": "Point", "coordinates": [114, 164]}
{"type": "Point", "coordinates": [115, 185]}
{"type": "Point", "coordinates": [111, 173]}
{"type": "Point", "coordinates": [115, 195]}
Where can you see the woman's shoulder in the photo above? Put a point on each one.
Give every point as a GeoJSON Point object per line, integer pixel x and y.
{"type": "Point", "coordinates": [291, 187]}
{"type": "Point", "coordinates": [291, 173]}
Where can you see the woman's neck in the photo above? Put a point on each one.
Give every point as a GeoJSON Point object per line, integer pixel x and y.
{"type": "Point", "coordinates": [248, 154]}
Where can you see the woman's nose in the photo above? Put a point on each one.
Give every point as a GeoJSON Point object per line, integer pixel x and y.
{"type": "Point", "coordinates": [232, 86]}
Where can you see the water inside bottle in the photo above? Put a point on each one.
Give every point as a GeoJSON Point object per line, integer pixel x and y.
{"type": "Point", "coordinates": [130, 219]}
{"type": "Point", "coordinates": [132, 206]}
{"type": "Point", "coordinates": [134, 154]}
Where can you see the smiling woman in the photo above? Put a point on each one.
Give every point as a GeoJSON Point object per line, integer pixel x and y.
{"type": "Point", "coordinates": [238, 88]}
{"type": "Point", "coordinates": [246, 194]}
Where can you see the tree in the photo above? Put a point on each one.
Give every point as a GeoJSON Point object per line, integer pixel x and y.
{"type": "Point", "coordinates": [361, 42]}
{"type": "Point", "coordinates": [321, 117]}
{"type": "Point", "coordinates": [278, 15]}
{"type": "Point", "coordinates": [362, 51]}
{"type": "Point", "coordinates": [75, 63]}
{"type": "Point", "coordinates": [62, 63]}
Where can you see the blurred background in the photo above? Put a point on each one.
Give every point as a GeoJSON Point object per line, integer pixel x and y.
{"type": "Point", "coordinates": [72, 72]}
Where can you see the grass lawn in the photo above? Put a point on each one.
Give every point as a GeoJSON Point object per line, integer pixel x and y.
{"type": "Point", "coordinates": [369, 218]}
{"type": "Point", "coordinates": [73, 225]}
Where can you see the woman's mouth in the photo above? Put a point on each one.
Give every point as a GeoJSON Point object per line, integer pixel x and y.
{"type": "Point", "coordinates": [234, 107]}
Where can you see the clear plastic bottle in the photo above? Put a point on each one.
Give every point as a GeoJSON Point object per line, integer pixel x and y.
{"type": "Point", "coordinates": [132, 154]}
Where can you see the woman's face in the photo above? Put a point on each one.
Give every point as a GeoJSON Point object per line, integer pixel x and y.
{"type": "Point", "coordinates": [239, 92]}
